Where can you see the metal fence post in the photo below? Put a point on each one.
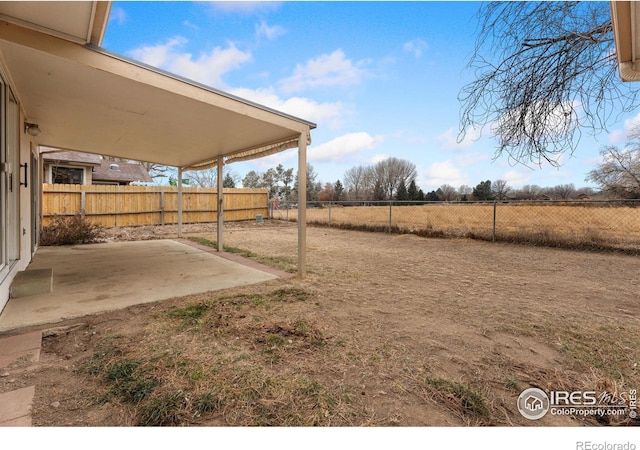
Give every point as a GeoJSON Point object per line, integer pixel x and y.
{"type": "Point", "coordinates": [390, 206]}
{"type": "Point", "coordinates": [329, 214]}
{"type": "Point", "coordinates": [493, 236]}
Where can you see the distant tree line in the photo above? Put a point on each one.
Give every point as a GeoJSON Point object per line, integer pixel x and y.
{"type": "Point", "coordinates": [617, 175]}
{"type": "Point", "coordinates": [391, 178]}
{"type": "Point", "coordinates": [282, 183]}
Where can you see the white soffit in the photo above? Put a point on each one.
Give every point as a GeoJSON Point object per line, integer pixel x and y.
{"type": "Point", "coordinates": [87, 100]}
{"type": "Point", "coordinates": [625, 17]}
{"type": "Point", "coordinates": [72, 20]}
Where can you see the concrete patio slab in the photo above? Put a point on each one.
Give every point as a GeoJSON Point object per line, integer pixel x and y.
{"type": "Point", "coordinates": [25, 346]}
{"type": "Point", "coordinates": [15, 407]}
{"type": "Point", "coordinates": [18, 353]}
{"type": "Point", "coordinates": [88, 279]}
{"type": "Point", "coordinates": [32, 282]}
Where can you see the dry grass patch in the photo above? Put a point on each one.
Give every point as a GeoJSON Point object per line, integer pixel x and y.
{"type": "Point", "coordinates": [587, 226]}
{"type": "Point", "coordinates": [222, 361]}
{"type": "Point", "coordinates": [284, 263]}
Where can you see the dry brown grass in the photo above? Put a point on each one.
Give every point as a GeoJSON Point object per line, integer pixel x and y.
{"type": "Point", "coordinates": [582, 225]}
{"type": "Point", "coordinates": [385, 330]}
{"type": "Point", "coordinates": [223, 361]}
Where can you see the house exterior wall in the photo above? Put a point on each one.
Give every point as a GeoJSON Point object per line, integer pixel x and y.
{"type": "Point", "coordinates": [17, 192]}
{"type": "Point", "coordinates": [28, 148]}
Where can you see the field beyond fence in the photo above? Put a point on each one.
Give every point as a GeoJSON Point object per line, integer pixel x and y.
{"type": "Point", "coordinates": [572, 224]}
{"type": "Point", "coordinates": [114, 206]}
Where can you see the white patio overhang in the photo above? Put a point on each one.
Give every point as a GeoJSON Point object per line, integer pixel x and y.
{"type": "Point", "coordinates": [87, 99]}
{"type": "Point", "coordinates": [625, 18]}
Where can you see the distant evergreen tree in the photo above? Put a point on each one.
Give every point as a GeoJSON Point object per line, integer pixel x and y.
{"type": "Point", "coordinates": [338, 191]}
{"type": "Point", "coordinates": [313, 187]}
{"type": "Point", "coordinates": [401, 192]}
{"type": "Point", "coordinates": [432, 197]}
{"type": "Point", "coordinates": [228, 181]}
{"type": "Point", "coordinates": [252, 180]}
{"type": "Point", "coordinates": [483, 191]}
{"type": "Point", "coordinates": [378, 191]}
{"type": "Point", "coordinates": [420, 196]}
{"type": "Point", "coordinates": [413, 190]}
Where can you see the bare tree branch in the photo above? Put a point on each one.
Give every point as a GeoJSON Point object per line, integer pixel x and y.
{"type": "Point", "coordinates": [555, 76]}
{"type": "Point", "coordinates": [619, 172]}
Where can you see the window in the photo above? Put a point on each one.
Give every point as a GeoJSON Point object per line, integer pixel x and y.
{"type": "Point", "coordinates": [9, 179]}
{"type": "Point", "coordinates": [66, 175]}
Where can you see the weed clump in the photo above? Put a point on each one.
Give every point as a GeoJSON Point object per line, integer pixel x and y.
{"type": "Point", "coordinates": [164, 410]}
{"type": "Point", "coordinates": [129, 381]}
{"type": "Point", "coordinates": [71, 230]}
{"type": "Point", "coordinates": [460, 397]}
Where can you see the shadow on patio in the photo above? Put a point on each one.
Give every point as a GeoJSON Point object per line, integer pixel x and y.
{"type": "Point", "coordinates": [74, 281]}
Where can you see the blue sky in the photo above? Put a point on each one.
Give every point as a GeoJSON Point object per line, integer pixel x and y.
{"type": "Point", "coordinates": [380, 79]}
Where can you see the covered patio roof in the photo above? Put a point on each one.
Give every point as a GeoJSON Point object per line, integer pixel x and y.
{"type": "Point", "coordinates": [85, 98]}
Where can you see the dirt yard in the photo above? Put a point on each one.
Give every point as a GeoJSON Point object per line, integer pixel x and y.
{"type": "Point", "coordinates": [386, 330]}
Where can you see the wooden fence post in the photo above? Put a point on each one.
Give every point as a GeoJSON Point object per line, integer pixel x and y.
{"type": "Point", "coordinates": [162, 218]}
{"type": "Point", "coordinates": [83, 203]}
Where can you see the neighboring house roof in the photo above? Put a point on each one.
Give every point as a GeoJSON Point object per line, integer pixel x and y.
{"type": "Point", "coordinates": [85, 159]}
{"type": "Point", "coordinates": [103, 170]}
{"type": "Point", "coordinates": [125, 172]}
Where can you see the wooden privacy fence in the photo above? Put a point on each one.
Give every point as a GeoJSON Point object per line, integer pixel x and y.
{"type": "Point", "coordinates": [114, 206]}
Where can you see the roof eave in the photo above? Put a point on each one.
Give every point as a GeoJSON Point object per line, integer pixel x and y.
{"type": "Point", "coordinates": [624, 18]}
{"type": "Point", "coordinates": [101, 13]}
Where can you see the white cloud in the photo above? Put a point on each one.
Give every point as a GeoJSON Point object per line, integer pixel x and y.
{"type": "Point", "coordinates": [444, 172]}
{"type": "Point", "coordinates": [557, 177]}
{"type": "Point", "coordinates": [188, 24]}
{"type": "Point", "coordinates": [337, 148]}
{"type": "Point", "coordinates": [411, 137]}
{"type": "Point", "coordinates": [265, 31]}
{"type": "Point", "coordinates": [324, 71]}
{"type": "Point", "coordinates": [617, 137]}
{"type": "Point", "coordinates": [448, 140]}
{"type": "Point", "coordinates": [330, 114]}
{"type": "Point", "coordinates": [515, 178]}
{"type": "Point", "coordinates": [158, 55]}
{"type": "Point", "coordinates": [243, 7]}
{"type": "Point", "coordinates": [472, 159]}
{"type": "Point", "coordinates": [415, 47]}
{"type": "Point", "coordinates": [207, 68]}
{"type": "Point", "coordinates": [117, 16]}
{"type": "Point", "coordinates": [377, 158]}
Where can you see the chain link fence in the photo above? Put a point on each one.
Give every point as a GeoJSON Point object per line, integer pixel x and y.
{"type": "Point", "coordinates": [588, 224]}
